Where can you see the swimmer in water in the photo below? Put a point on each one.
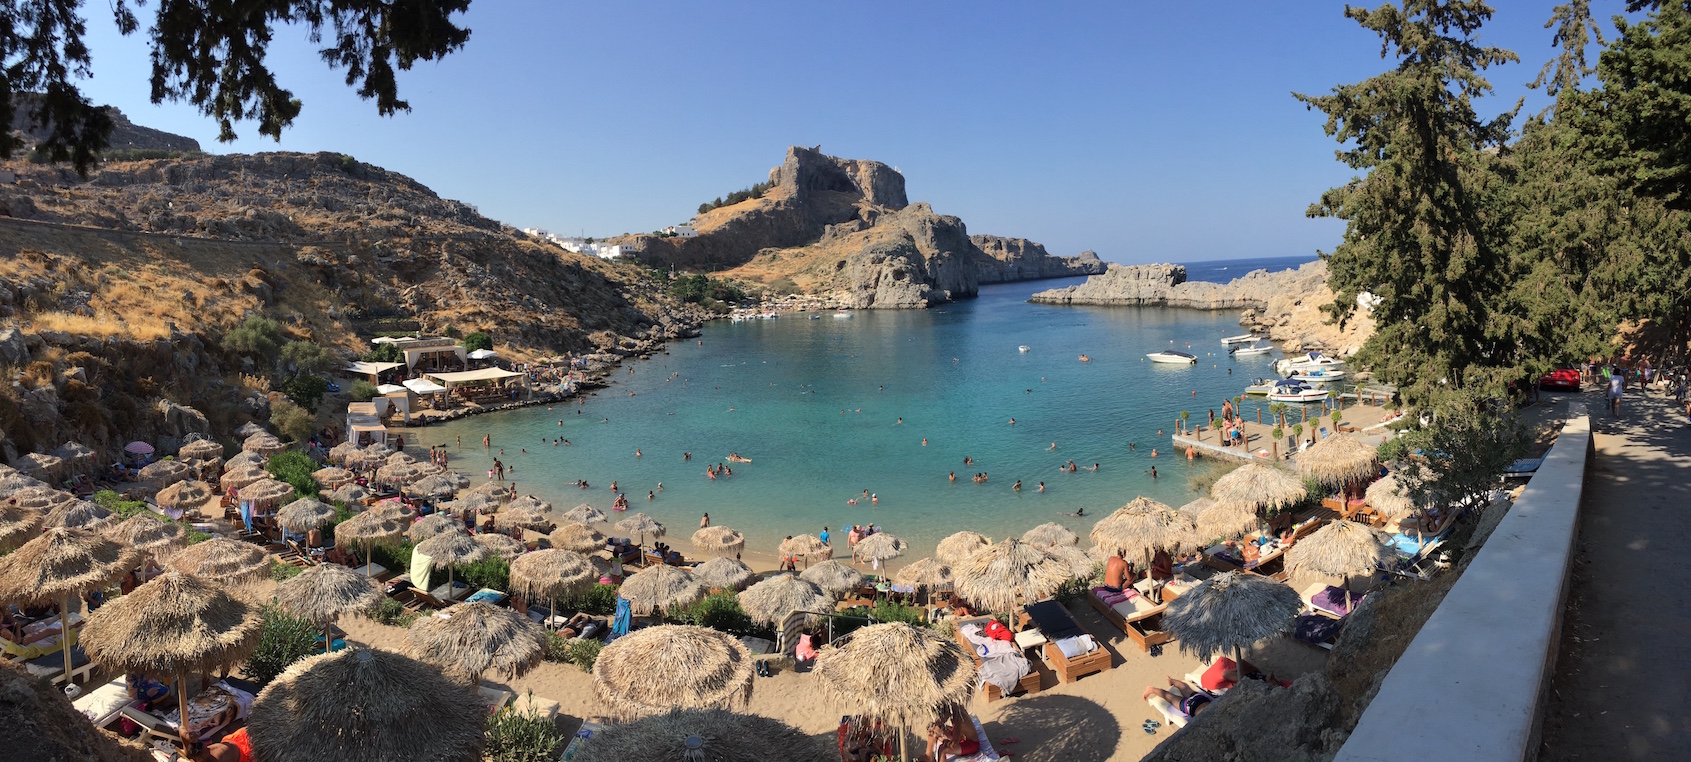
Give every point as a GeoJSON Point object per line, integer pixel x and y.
{"type": "Point", "coordinates": [1153, 452]}
{"type": "Point", "coordinates": [1153, 472]}
{"type": "Point", "coordinates": [1080, 512]}
{"type": "Point", "coordinates": [1017, 486]}
{"type": "Point", "coordinates": [953, 476]}
{"type": "Point", "coordinates": [1053, 445]}
{"type": "Point", "coordinates": [900, 420]}
{"type": "Point", "coordinates": [637, 453]}
{"type": "Point", "coordinates": [924, 441]}
{"type": "Point", "coordinates": [1012, 421]}
{"type": "Point", "coordinates": [1042, 486]}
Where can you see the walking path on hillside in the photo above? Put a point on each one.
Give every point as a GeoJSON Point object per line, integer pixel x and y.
{"type": "Point", "coordinates": [1622, 687]}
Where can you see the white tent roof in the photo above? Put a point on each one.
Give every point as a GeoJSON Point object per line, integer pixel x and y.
{"type": "Point", "coordinates": [372, 368]}
{"type": "Point", "coordinates": [386, 389]}
{"type": "Point", "coordinates": [424, 386]}
{"type": "Point", "coordinates": [462, 377]}
{"type": "Point", "coordinates": [483, 354]}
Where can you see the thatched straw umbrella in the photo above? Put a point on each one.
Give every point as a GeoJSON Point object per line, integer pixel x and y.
{"type": "Point", "coordinates": [475, 637]}
{"type": "Point", "coordinates": [577, 537]}
{"type": "Point", "coordinates": [723, 573]}
{"type": "Point", "coordinates": [1339, 459]}
{"type": "Point", "coordinates": [879, 547]}
{"type": "Point", "coordinates": [713, 734]}
{"type": "Point", "coordinates": [39, 499]}
{"type": "Point", "coordinates": [365, 459]}
{"type": "Point", "coordinates": [642, 525]}
{"type": "Point", "coordinates": [1227, 519]}
{"type": "Point", "coordinates": [1144, 526]}
{"type": "Point", "coordinates": [165, 473]}
{"type": "Point", "coordinates": [584, 514]}
{"type": "Point", "coordinates": [1229, 612]}
{"type": "Point", "coordinates": [431, 525]}
{"type": "Point", "coordinates": [552, 574]}
{"type": "Point", "coordinates": [17, 526]}
{"type": "Point", "coordinates": [77, 458]}
{"type": "Point", "coordinates": [243, 460]}
{"type": "Point", "coordinates": [901, 675]}
{"type": "Point", "coordinates": [267, 493]}
{"type": "Point", "coordinates": [673, 667]}
{"type": "Point", "coordinates": [772, 600]}
{"type": "Point", "coordinates": [501, 545]}
{"type": "Point", "coordinates": [1259, 486]}
{"type": "Point", "coordinates": [333, 477]}
{"type": "Point", "coordinates": [241, 476]}
{"type": "Point", "coordinates": [449, 549]}
{"type": "Point", "coordinates": [402, 474]}
{"type": "Point", "coordinates": [393, 508]}
{"type": "Point", "coordinates": [526, 513]}
{"type": "Point", "coordinates": [399, 459]}
{"type": "Point", "coordinates": [264, 444]}
{"type": "Point", "coordinates": [806, 546]}
{"type": "Point", "coordinates": [1080, 563]}
{"type": "Point", "coordinates": [367, 529]}
{"type": "Point", "coordinates": [339, 453]}
{"type": "Point", "coordinates": [1341, 549]}
{"type": "Point", "coordinates": [362, 704]}
{"type": "Point", "coordinates": [185, 496]}
{"type": "Point", "coordinates": [472, 502]}
{"type": "Point", "coordinates": [351, 494]}
{"type": "Point", "coordinates": [14, 482]}
{"type": "Point", "coordinates": [59, 565]}
{"type": "Point", "coordinates": [1196, 507]}
{"type": "Point", "coordinates": [305, 514]}
{"type": "Point", "coordinates": [442, 485]}
{"type": "Point", "coordinates": [39, 465]}
{"type": "Point", "coordinates": [43, 725]}
{"type": "Point", "coordinates": [995, 578]}
{"type": "Point", "coordinates": [661, 587]}
{"type": "Point", "coordinates": [833, 577]}
{"type": "Point", "coordinates": [959, 546]}
{"type": "Point", "coordinates": [148, 534]}
{"type": "Point", "coordinates": [719, 541]}
{"type": "Point", "coordinates": [530, 503]}
{"type": "Point", "coordinates": [1390, 498]}
{"type": "Point", "coordinates": [1050, 535]}
{"type": "Point", "coordinates": [200, 449]}
{"type": "Point", "coordinates": [78, 514]}
{"type": "Point", "coordinates": [222, 560]}
{"type": "Point", "coordinates": [322, 593]}
{"type": "Point", "coordinates": [926, 572]}
{"type": "Point", "coordinates": [172, 626]}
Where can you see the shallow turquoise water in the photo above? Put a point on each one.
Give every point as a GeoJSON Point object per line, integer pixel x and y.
{"type": "Point", "coordinates": [774, 391]}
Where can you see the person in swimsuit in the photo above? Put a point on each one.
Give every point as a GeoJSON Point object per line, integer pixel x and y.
{"type": "Point", "coordinates": [1182, 697]}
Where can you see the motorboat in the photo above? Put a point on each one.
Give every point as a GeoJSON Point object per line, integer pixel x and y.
{"type": "Point", "coordinates": [1295, 390]}
{"type": "Point", "coordinates": [1259, 348]}
{"type": "Point", "coordinates": [1023, 349]}
{"type": "Point", "coordinates": [1243, 338]}
{"type": "Point", "coordinates": [1308, 362]}
{"type": "Point", "coordinates": [1173, 358]}
{"type": "Point", "coordinates": [1261, 386]}
{"type": "Point", "coordinates": [842, 314]}
{"type": "Point", "coordinates": [1318, 374]}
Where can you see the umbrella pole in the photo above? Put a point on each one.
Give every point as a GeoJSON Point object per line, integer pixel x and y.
{"type": "Point", "coordinates": [903, 748]}
{"type": "Point", "coordinates": [327, 644]}
{"type": "Point", "coordinates": [64, 636]}
{"type": "Point", "coordinates": [182, 709]}
{"type": "Point", "coordinates": [367, 560]}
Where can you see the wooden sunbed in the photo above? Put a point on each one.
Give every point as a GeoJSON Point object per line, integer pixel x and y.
{"type": "Point", "coordinates": [1143, 626]}
{"type": "Point", "coordinates": [1070, 669]}
{"type": "Point", "coordinates": [1029, 683]}
{"type": "Point", "coordinates": [1271, 565]}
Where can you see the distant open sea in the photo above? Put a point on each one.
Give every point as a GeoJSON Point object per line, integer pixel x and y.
{"type": "Point", "coordinates": [816, 405]}
{"type": "Point", "coordinates": [1224, 270]}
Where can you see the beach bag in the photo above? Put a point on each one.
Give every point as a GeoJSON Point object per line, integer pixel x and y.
{"type": "Point", "coordinates": [997, 631]}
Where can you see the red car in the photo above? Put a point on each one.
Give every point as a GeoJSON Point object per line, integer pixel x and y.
{"type": "Point", "coordinates": [1561, 378]}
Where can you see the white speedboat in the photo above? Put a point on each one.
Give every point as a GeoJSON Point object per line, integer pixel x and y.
{"type": "Point", "coordinates": [1243, 338]}
{"type": "Point", "coordinates": [1173, 358]}
{"type": "Point", "coordinates": [1260, 386]}
{"type": "Point", "coordinates": [1293, 390]}
{"type": "Point", "coordinates": [1023, 349]}
{"type": "Point", "coordinates": [1259, 348]}
{"type": "Point", "coordinates": [1318, 374]}
{"type": "Point", "coordinates": [1308, 362]}
{"type": "Point", "coordinates": [842, 314]}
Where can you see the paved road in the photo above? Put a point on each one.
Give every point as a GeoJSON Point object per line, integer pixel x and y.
{"type": "Point", "coordinates": [1622, 688]}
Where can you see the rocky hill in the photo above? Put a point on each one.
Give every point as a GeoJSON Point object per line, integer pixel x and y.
{"type": "Point", "coordinates": [1285, 305]}
{"type": "Point", "coordinates": [126, 135]}
{"type": "Point", "coordinates": [844, 228]}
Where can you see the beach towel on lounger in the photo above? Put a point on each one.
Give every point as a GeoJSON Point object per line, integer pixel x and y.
{"type": "Point", "coordinates": [421, 566]}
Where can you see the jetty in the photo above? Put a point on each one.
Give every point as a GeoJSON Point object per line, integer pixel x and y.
{"type": "Point", "coordinates": [1366, 417]}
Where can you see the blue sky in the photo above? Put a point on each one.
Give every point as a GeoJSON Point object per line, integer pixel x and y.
{"type": "Point", "coordinates": [1146, 131]}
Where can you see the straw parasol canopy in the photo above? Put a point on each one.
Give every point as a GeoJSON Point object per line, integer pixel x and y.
{"type": "Point", "coordinates": [957, 547]}
{"type": "Point", "coordinates": [673, 667]}
{"type": "Point", "coordinates": [242, 460]}
{"type": "Point", "coordinates": [39, 465]}
{"type": "Point", "coordinates": [453, 549]}
{"type": "Point", "coordinates": [771, 600]}
{"type": "Point", "coordinates": [501, 545]}
{"type": "Point", "coordinates": [1390, 499]}
{"type": "Point", "coordinates": [401, 474]}
{"type": "Point", "coordinates": [165, 472]}
{"type": "Point", "coordinates": [472, 502]}
{"type": "Point", "coordinates": [305, 514]}
{"type": "Point", "coordinates": [241, 476]}
{"type": "Point", "coordinates": [1227, 519]}
{"type": "Point", "coordinates": [577, 537]}
{"type": "Point", "coordinates": [1340, 548]}
{"type": "Point", "coordinates": [80, 514]}
{"type": "Point", "coordinates": [879, 546]}
{"type": "Point", "coordinates": [222, 560]}
{"type": "Point", "coordinates": [1050, 535]}
{"type": "Point", "coordinates": [44, 725]}
{"type": "Point", "coordinates": [263, 443]}
{"type": "Point", "coordinates": [339, 453]}
{"type": "Point", "coordinates": [723, 573]}
{"type": "Point", "coordinates": [266, 492]}
{"type": "Point", "coordinates": [584, 514]}
{"type": "Point", "coordinates": [713, 734]}
{"type": "Point", "coordinates": [348, 493]}
{"type": "Point", "coordinates": [76, 457]}
{"type": "Point", "coordinates": [360, 704]}
{"type": "Point", "coordinates": [332, 477]}
{"type": "Point", "coordinates": [719, 541]}
{"type": "Point", "coordinates": [185, 495]}
{"type": "Point", "coordinates": [369, 528]}
{"type": "Point", "coordinates": [442, 485]}
{"type": "Point", "coordinates": [661, 587]}
{"type": "Point", "coordinates": [365, 459]}
{"type": "Point", "coordinates": [13, 482]}
{"type": "Point", "coordinates": [806, 546]}
{"type": "Point", "coordinates": [996, 578]}
{"type": "Point", "coordinates": [530, 503]}
{"type": "Point", "coordinates": [431, 525]}
{"type": "Point", "coordinates": [926, 572]}
{"type": "Point", "coordinates": [901, 675]}
{"type": "Point", "coordinates": [642, 525]}
{"type": "Point", "coordinates": [475, 637]}
{"type": "Point", "coordinates": [41, 498]}
{"type": "Point", "coordinates": [833, 577]}
{"type": "Point", "coordinates": [1144, 526]}
{"type": "Point", "coordinates": [200, 449]}
{"type": "Point", "coordinates": [552, 574]}
{"type": "Point", "coordinates": [322, 593]}
{"type": "Point", "coordinates": [393, 508]}
{"type": "Point", "coordinates": [1230, 611]}
{"type": "Point", "coordinates": [1260, 487]}
{"type": "Point", "coordinates": [1079, 563]}
{"type": "Point", "coordinates": [1339, 459]}
{"type": "Point", "coordinates": [174, 624]}
{"type": "Point", "coordinates": [398, 459]}
{"type": "Point", "coordinates": [62, 563]}
{"type": "Point", "coordinates": [148, 534]}
{"type": "Point", "coordinates": [16, 525]}
{"type": "Point", "coordinates": [528, 513]}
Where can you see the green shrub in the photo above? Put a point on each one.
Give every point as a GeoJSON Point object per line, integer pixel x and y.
{"type": "Point", "coordinates": [557, 648]}
{"type": "Point", "coordinates": [362, 391]}
{"type": "Point", "coordinates": [294, 468]}
{"type": "Point", "coordinates": [306, 390]}
{"type": "Point", "coordinates": [756, 191]}
{"type": "Point", "coordinates": [583, 652]}
{"type": "Point", "coordinates": [391, 612]}
{"type": "Point", "coordinates": [120, 508]}
{"type": "Point", "coordinates": [260, 337]}
{"type": "Point", "coordinates": [493, 572]}
{"type": "Point", "coordinates": [349, 165]}
{"type": "Point", "coordinates": [195, 536]}
{"type": "Point", "coordinates": [395, 557]}
{"type": "Point", "coordinates": [477, 340]}
{"type": "Point", "coordinates": [285, 639]}
{"type": "Point", "coordinates": [293, 421]}
{"type": "Point", "coordinates": [383, 353]}
{"type": "Point", "coordinates": [514, 736]}
{"type": "Point", "coordinates": [600, 600]}
{"type": "Point", "coordinates": [704, 290]}
{"type": "Point", "coordinates": [892, 611]}
{"type": "Point", "coordinates": [719, 611]}
{"type": "Point", "coordinates": [282, 572]}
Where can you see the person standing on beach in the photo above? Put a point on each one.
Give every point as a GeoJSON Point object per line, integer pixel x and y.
{"type": "Point", "coordinates": [824, 536]}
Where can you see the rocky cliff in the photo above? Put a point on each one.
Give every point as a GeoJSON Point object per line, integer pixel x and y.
{"type": "Point", "coordinates": [844, 228]}
{"type": "Point", "coordinates": [126, 135]}
{"type": "Point", "coordinates": [1285, 305]}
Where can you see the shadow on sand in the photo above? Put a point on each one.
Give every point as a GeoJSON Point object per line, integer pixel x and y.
{"type": "Point", "coordinates": [1057, 728]}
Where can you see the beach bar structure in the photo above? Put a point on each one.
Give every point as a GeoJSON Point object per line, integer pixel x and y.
{"type": "Point", "coordinates": [372, 371]}
{"type": "Point", "coordinates": [422, 354]}
{"type": "Point", "coordinates": [364, 421]}
{"type": "Point", "coordinates": [492, 376]}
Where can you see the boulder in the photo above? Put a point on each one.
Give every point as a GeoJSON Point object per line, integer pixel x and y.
{"type": "Point", "coordinates": [13, 350]}
{"type": "Point", "coordinates": [178, 421]}
{"type": "Point", "coordinates": [1256, 722]}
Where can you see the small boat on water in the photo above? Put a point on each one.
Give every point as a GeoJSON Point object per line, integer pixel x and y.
{"type": "Point", "coordinates": [1173, 358]}
{"type": "Point", "coordinates": [842, 314]}
{"type": "Point", "coordinates": [1023, 349]}
{"type": "Point", "coordinates": [1294, 390]}
{"type": "Point", "coordinates": [1308, 362]}
{"type": "Point", "coordinates": [1318, 374]}
{"type": "Point", "coordinates": [1259, 348]}
{"type": "Point", "coordinates": [1243, 338]}
{"type": "Point", "coordinates": [1261, 386]}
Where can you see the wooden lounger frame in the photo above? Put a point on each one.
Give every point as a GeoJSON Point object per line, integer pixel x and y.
{"type": "Point", "coordinates": [1029, 684]}
{"type": "Point", "coordinates": [1143, 629]}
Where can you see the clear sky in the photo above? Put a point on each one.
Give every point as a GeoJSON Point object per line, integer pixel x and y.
{"type": "Point", "coordinates": [1146, 131]}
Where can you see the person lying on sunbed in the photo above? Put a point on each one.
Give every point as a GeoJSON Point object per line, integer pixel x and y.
{"type": "Point", "coordinates": [953, 736]}
{"type": "Point", "coordinates": [1182, 698]}
{"type": "Point", "coordinates": [1224, 674]}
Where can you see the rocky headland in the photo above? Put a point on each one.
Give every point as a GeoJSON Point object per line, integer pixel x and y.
{"type": "Point", "coordinates": [1286, 305]}
{"type": "Point", "coordinates": [843, 228]}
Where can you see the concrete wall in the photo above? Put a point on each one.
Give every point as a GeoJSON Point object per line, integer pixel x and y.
{"type": "Point", "coordinates": [1471, 683]}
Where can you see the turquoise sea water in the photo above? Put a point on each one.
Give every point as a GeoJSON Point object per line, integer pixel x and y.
{"type": "Point", "coordinates": [815, 404]}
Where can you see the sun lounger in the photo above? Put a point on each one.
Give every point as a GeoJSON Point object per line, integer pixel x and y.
{"type": "Point", "coordinates": [1062, 631]}
{"type": "Point", "coordinates": [494, 697]}
{"type": "Point", "coordinates": [102, 705]}
{"type": "Point", "coordinates": [1271, 564]}
{"type": "Point", "coordinates": [1523, 468]}
{"type": "Point", "coordinates": [1317, 630]}
{"type": "Point", "coordinates": [530, 704]}
{"type": "Point", "coordinates": [1030, 682]}
{"type": "Point", "coordinates": [377, 571]}
{"type": "Point", "coordinates": [52, 666]}
{"type": "Point", "coordinates": [1137, 617]}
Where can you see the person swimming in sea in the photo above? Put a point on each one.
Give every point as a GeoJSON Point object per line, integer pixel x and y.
{"type": "Point", "coordinates": [954, 476]}
{"type": "Point", "coordinates": [1042, 486]}
{"type": "Point", "coordinates": [1017, 486]}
